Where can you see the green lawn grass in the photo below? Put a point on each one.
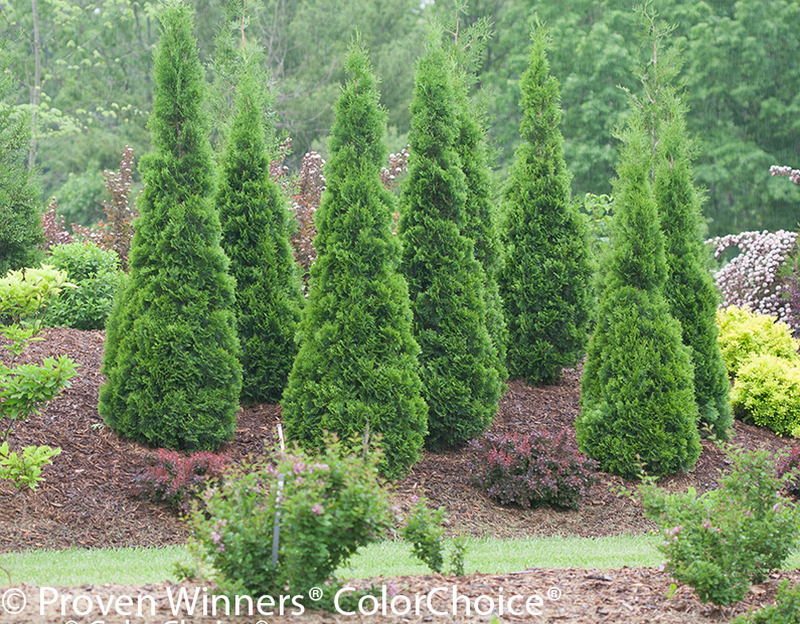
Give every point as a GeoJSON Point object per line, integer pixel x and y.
{"type": "Point", "coordinates": [490, 556]}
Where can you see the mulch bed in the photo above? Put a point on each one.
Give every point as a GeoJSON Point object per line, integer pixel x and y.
{"type": "Point", "coordinates": [88, 499]}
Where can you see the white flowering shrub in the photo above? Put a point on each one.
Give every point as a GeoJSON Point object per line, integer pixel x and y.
{"type": "Point", "coordinates": [752, 279]}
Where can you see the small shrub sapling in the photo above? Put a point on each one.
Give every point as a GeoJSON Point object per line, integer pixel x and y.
{"type": "Point", "coordinates": [424, 530]}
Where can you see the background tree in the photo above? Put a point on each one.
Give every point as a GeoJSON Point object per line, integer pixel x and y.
{"type": "Point", "coordinates": [173, 377]}
{"type": "Point", "coordinates": [689, 287]}
{"type": "Point", "coordinates": [20, 222]}
{"type": "Point", "coordinates": [459, 363]}
{"type": "Point", "coordinates": [255, 236]}
{"type": "Point", "coordinates": [637, 392]}
{"type": "Point", "coordinates": [545, 283]}
{"type": "Point", "coordinates": [357, 370]}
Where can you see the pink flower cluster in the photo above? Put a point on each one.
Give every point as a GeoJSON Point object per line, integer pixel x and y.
{"type": "Point", "coordinates": [794, 174]}
{"type": "Point", "coordinates": [752, 278]}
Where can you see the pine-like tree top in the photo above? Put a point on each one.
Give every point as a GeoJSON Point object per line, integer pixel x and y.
{"type": "Point", "coordinates": [359, 117]}
{"type": "Point", "coordinates": [637, 258]}
{"type": "Point", "coordinates": [541, 97]}
{"type": "Point", "coordinates": [177, 127]}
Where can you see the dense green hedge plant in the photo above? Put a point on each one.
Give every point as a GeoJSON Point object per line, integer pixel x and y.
{"type": "Point", "coordinates": [255, 235]}
{"type": "Point", "coordinates": [724, 540]}
{"type": "Point", "coordinates": [97, 275]}
{"type": "Point", "coordinates": [689, 289]}
{"type": "Point", "coordinates": [637, 390]}
{"type": "Point", "coordinates": [766, 393]}
{"type": "Point", "coordinates": [459, 363]}
{"type": "Point", "coordinates": [325, 506]}
{"type": "Point", "coordinates": [546, 280]}
{"type": "Point", "coordinates": [744, 334]}
{"type": "Point", "coordinates": [357, 370]}
{"type": "Point", "coordinates": [172, 373]}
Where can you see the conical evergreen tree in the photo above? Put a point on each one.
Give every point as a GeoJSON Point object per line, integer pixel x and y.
{"type": "Point", "coordinates": [20, 223]}
{"type": "Point", "coordinates": [545, 284]}
{"type": "Point", "coordinates": [173, 377]}
{"type": "Point", "coordinates": [446, 284]}
{"type": "Point", "coordinates": [357, 369]}
{"type": "Point", "coordinates": [480, 216]}
{"type": "Point", "coordinates": [255, 236]}
{"type": "Point", "coordinates": [689, 288]}
{"type": "Point", "coordinates": [637, 392]}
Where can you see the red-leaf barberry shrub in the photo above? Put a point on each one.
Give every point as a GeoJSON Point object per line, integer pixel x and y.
{"type": "Point", "coordinates": [790, 464]}
{"type": "Point", "coordinates": [177, 478]}
{"type": "Point", "coordinates": [532, 469]}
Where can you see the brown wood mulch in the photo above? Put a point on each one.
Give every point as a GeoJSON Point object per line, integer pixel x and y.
{"type": "Point", "coordinates": [88, 501]}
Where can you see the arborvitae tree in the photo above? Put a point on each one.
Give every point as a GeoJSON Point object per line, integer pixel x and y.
{"type": "Point", "coordinates": [255, 236]}
{"type": "Point", "coordinates": [480, 216]}
{"type": "Point", "coordinates": [357, 368]}
{"type": "Point", "coordinates": [173, 376]}
{"type": "Point", "coordinates": [689, 288]}
{"type": "Point", "coordinates": [446, 284]}
{"type": "Point", "coordinates": [637, 392]}
{"type": "Point", "coordinates": [20, 222]}
{"type": "Point", "coordinates": [546, 281]}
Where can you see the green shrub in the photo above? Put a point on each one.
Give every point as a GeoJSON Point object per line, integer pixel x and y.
{"type": "Point", "coordinates": [97, 275]}
{"type": "Point", "coordinates": [255, 235]}
{"type": "Point", "coordinates": [459, 363]}
{"type": "Point", "coordinates": [25, 388]}
{"type": "Point", "coordinates": [545, 283]}
{"type": "Point", "coordinates": [786, 609]}
{"type": "Point", "coordinates": [637, 389]}
{"type": "Point", "coordinates": [171, 354]}
{"type": "Point", "coordinates": [330, 505]}
{"type": "Point", "coordinates": [744, 334]}
{"type": "Point", "coordinates": [767, 394]}
{"type": "Point", "coordinates": [424, 530]}
{"type": "Point", "coordinates": [722, 541]}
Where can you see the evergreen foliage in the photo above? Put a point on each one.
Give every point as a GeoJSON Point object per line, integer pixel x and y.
{"type": "Point", "coordinates": [546, 281]}
{"type": "Point", "coordinates": [689, 289]}
{"type": "Point", "coordinates": [637, 393]}
{"type": "Point", "coordinates": [20, 222]}
{"type": "Point", "coordinates": [446, 284]}
{"type": "Point", "coordinates": [480, 215]}
{"type": "Point", "coordinates": [255, 236]}
{"type": "Point", "coordinates": [357, 369]}
{"type": "Point", "coordinates": [173, 377]}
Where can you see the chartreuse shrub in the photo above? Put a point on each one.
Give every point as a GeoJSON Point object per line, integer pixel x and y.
{"type": "Point", "coordinates": [689, 289]}
{"type": "Point", "coordinates": [357, 370]}
{"type": "Point", "coordinates": [423, 528]}
{"type": "Point", "coordinates": [97, 275]}
{"type": "Point", "coordinates": [459, 363]}
{"type": "Point", "coordinates": [170, 361]}
{"type": "Point", "coordinates": [724, 540]}
{"type": "Point", "coordinates": [325, 506]}
{"type": "Point", "coordinates": [25, 388]}
{"type": "Point", "coordinates": [546, 280]}
{"type": "Point", "coordinates": [532, 469]}
{"type": "Point", "coordinates": [744, 334]}
{"type": "Point", "coordinates": [767, 394]}
{"type": "Point", "coordinates": [637, 390]}
{"type": "Point", "coordinates": [255, 235]}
